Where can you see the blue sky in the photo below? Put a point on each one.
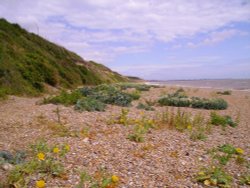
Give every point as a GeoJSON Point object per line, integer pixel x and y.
{"type": "Point", "coordinates": [152, 39]}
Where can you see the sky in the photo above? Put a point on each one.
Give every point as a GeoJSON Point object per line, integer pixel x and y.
{"type": "Point", "coordinates": [151, 39]}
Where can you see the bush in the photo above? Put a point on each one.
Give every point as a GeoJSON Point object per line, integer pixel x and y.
{"type": "Point", "coordinates": [3, 94]}
{"type": "Point", "coordinates": [209, 104]}
{"type": "Point", "coordinates": [174, 101]}
{"type": "Point", "coordinates": [64, 98]}
{"type": "Point", "coordinates": [135, 95]}
{"type": "Point", "coordinates": [139, 87]}
{"type": "Point", "coordinates": [224, 92]}
{"type": "Point", "coordinates": [89, 104]}
{"type": "Point", "coordinates": [107, 94]}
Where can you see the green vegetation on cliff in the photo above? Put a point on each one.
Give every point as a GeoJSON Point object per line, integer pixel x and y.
{"type": "Point", "coordinates": [28, 63]}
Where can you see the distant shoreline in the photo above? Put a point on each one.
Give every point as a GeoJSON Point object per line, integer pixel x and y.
{"type": "Point", "coordinates": [230, 84]}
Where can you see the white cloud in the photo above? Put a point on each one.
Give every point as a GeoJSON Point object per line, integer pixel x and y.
{"type": "Point", "coordinates": [91, 26]}
{"type": "Point", "coordinates": [217, 36]}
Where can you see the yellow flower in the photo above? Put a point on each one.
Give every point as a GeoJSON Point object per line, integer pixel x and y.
{"type": "Point", "coordinates": [239, 151]}
{"type": "Point", "coordinates": [40, 184]}
{"type": "Point", "coordinates": [56, 150]}
{"type": "Point", "coordinates": [41, 156]}
{"type": "Point", "coordinates": [137, 121]}
{"type": "Point", "coordinates": [67, 147]}
{"type": "Point", "coordinates": [115, 178]}
{"type": "Point", "coordinates": [207, 182]}
{"type": "Point", "coordinates": [189, 127]}
{"type": "Point", "coordinates": [150, 121]}
{"type": "Point", "coordinates": [142, 113]}
{"type": "Point", "coordinates": [201, 173]}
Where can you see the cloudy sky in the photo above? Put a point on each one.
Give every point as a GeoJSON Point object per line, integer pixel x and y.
{"type": "Point", "coordinates": [152, 39]}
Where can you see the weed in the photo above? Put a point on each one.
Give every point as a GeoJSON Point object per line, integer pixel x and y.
{"type": "Point", "coordinates": [216, 119]}
{"type": "Point", "coordinates": [57, 111]}
{"type": "Point", "coordinates": [123, 118]}
{"type": "Point", "coordinates": [135, 95]}
{"type": "Point", "coordinates": [214, 176]}
{"type": "Point", "coordinates": [138, 134]}
{"type": "Point", "coordinates": [145, 107]}
{"type": "Point", "coordinates": [223, 159]}
{"type": "Point", "coordinates": [100, 179]}
{"type": "Point", "coordinates": [199, 128]}
{"type": "Point", "coordinates": [43, 163]}
{"type": "Point", "coordinates": [227, 148]}
{"type": "Point", "coordinates": [245, 179]}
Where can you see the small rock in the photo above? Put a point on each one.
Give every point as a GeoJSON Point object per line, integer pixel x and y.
{"type": "Point", "coordinates": [86, 140]}
{"type": "Point", "coordinates": [7, 166]}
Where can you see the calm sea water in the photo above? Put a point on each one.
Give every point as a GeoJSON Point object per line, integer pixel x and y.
{"type": "Point", "coordinates": [236, 84]}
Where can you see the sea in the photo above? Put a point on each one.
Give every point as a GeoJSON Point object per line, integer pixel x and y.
{"type": "Point", "coordinates": [227, 84]}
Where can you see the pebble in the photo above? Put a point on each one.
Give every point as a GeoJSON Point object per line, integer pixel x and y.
{"type": "Point", "coordinates": [7, 166]}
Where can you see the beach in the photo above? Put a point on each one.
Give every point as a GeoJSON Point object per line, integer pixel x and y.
{"type": "Point", "coordinates": [166, 157]}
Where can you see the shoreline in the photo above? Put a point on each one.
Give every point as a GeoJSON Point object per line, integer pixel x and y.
{"type": "Point", "coordinates": [230, 84]}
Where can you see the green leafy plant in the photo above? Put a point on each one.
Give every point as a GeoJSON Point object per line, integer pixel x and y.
{"type": "Point", "coordinates": [214, 176]}
{"type": "Point", "coordinates": [107, 94]}
{"type": "Point", "coordinates": [100, 179]}
{"type": "Point", "coordinates": [245, 179]}
{"type": "Point", "coordinates": [89, 104]}
{"type": "Point", "coordinates": [227, 92]}
{"type": "Point", "coordinates": [145, 107]}
{"type": "Point", "coordinates": [136, 94]}
{"type": "Point", "coordinates": [174, 101]}
{"type": "Point", "coordinates": [65, 98]}
{"type": "Point", "coordinates": [228, 149]}
{"type": "Point", "coordinates": [213, 104]}
{"type": "Point", "coordinates": [138, 134]}
{"type": "Point", "coordinates": [180, 99]}
{"type": "Point", "coordinates": [217, 119]}
{"type": "Point", "coordinates": [42, 164]}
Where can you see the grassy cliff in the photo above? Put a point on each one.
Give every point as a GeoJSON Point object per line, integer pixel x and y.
{"type": "Point", "coordinates": [28, 63]}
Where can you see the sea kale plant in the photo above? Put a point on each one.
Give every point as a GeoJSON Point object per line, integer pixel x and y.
{"type": "Point", "coordinates": [180, 99]}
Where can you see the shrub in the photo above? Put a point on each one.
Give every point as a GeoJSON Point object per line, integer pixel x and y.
{"type": "Point", "coordinates": [89, 104]}
{"type": "Point", "coordinates": [135, 95]}
{"type": "Point", "coordinates": [180, 99]}
{"type": "Point", "coordinates": [64, 98]}
{"type": "Point", "coordinates": [174, 101]}
{"type": "Point", "coordinates": [139, 87]}
{"type": "Point", "coordinates": [3, 94]}
{"type": "Point", "coordinates": [107, 94]}
{"type": "Point", "coordinates": [227, 92]}
{"type": "Point", "coordinates": [213, 104]}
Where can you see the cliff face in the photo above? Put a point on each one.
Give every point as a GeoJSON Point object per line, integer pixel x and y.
{"type": "Point", "coordinates": [28, 63]}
